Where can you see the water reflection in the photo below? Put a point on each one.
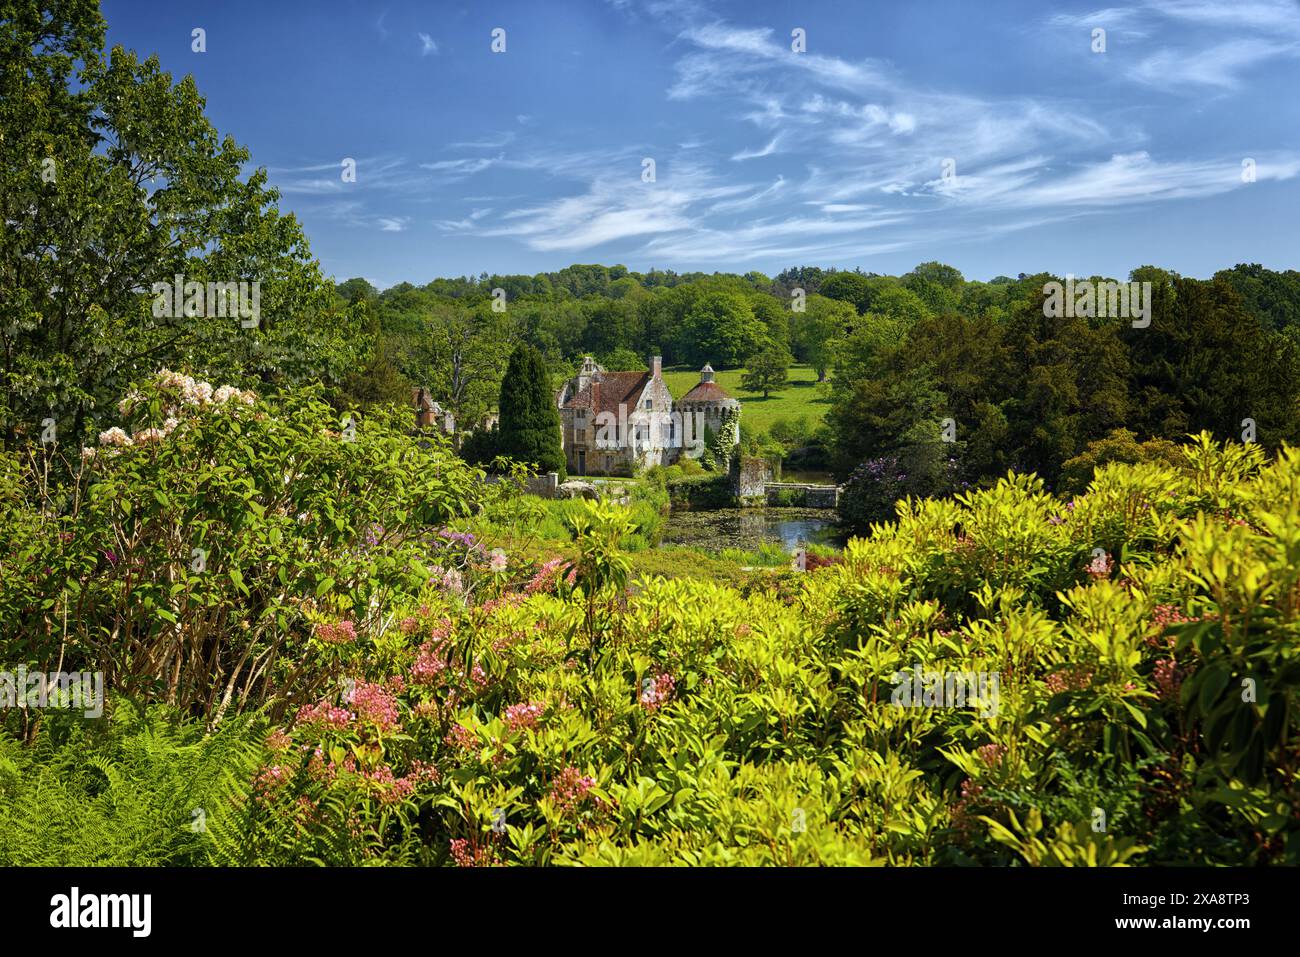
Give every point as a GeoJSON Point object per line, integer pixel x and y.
{"type": "Point", "coordinates": [749, 527]}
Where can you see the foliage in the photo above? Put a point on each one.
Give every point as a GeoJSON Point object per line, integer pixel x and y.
{"type": "Point", "coordinates": [720, 444]}
{"type": "Point", "coordinates": [577, 711]}
{"type": "Point", "coordinates": [767, 370]}
{"type": "Point", "coordinates": [1030, 393]}
{"type": "Point", "coordinates": [195, 555]}
{"type": "Point", "coordinates": [720, 329]}
{"type": "Point", "coordinates": [529, 430]}
{"type": "Point", "coordinates": [117, 181]}
{"type": "Point", "coordinates": [138, 790]}
{"type": "Point", "coordinates": [1120, 445]}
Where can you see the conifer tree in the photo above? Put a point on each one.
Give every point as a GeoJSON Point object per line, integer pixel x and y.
{"type": "Point", "coordinates": [529, 429]}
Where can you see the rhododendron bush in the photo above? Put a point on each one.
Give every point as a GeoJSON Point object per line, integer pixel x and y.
{"type": "Point", "coordinates": [715, 727]}
{"type": "Point", "coordinates": [489, 709]}
{"type": "Point", "coordinates": [205, 548]}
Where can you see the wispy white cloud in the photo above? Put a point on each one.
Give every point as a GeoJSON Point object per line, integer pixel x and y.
{"type": "Point", "coordinates": [496, 141]}
{"type": "Point", "coordinates": [466, 223]}
{"type": "Point", "coordinates": [1120, 22]}
{"type": "Point", "coordinates": [323, 179]}
{"type": "Point", "coordinates": [427, 44]}
{"type": "Point", "coordinates": [1271, 16]}
{"type": "Point", "coordinates": [464, 166]}
{"type": "Point", "coordinates": [1204, 44]}
{"type": "Point", "coordinates": [843, 207]}
{"type": "Point", "coordinates": [1219, 66]}
{"type": "Point", "coordinates": [1124, 179]}
{"type": "Point", "coordinates": [754, 199]}
{"type": "Point", "coordinates": [615, 206]}
{"type": "Point", "coordinates": [852, 150]}
{"type": "Point", "coordinates": [767, 150]}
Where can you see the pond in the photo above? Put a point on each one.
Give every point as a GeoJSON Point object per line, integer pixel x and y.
{"type": "Point", "coordinates": [748, 528]}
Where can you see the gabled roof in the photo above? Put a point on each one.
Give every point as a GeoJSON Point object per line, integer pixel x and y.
{"type": "Point", "coordinates": [611, 390]}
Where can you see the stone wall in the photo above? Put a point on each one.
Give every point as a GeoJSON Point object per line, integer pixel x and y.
{"type": "Point", "coordinates": [803, 495]}
{"type": "Point", "coordinates": [542, 485]}
{"type": "Point", "coordinates": [749, 478]}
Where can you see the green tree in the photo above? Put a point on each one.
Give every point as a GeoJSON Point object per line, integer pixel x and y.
{"type": "Point", "coordinates": [775, 317]}
{"type": "Point", "coordinates": [823, 323]}
{"type": "Point", "coordinates": [114, 180]}
{"type": "Point", "coordinates": [463, 356]}
{"type": "Point", "coordinates": [356, 289]}
{"type": "Point", "coordinates": [768, 370]}
{"type": "Point", "coordinates": [851, 287]}
{"type": "Point", "coordinates": [623, 360]}
{"type": "Point", "coordinates": [529, 430]}
{"type": "Point", "coordinates": [379, 381]}
{"type": "Point", "coordinates": [720, 329]}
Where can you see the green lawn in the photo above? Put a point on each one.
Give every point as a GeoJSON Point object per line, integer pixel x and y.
{"type": "Point", "coordinates": [800, 397]}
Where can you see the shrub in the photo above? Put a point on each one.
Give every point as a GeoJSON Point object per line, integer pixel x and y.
{"type": "Point", "coordinates": [1121, 445]}
{"type": "Point", "coordinates": [202, 546]}
{"type": "Point", "coordinates": [1137, 640]}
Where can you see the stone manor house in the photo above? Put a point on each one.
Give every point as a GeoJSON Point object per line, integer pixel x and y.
{"type": "Point", "coordinates": [616, 422]}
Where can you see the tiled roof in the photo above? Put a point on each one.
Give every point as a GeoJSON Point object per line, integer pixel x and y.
{"type": "Point", "coordinates": [706, 392]}
{"type": "Point", "coordinates": [612, 389]}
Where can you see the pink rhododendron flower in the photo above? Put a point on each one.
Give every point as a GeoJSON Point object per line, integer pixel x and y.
{"type": "Point", "coordinates": [338, 633]}
{"type": "Point", "coordinates": [545, 577]}
{"type": "Point", "coordinates": [461, 737]}
{"type": "Point", "coordinates": [430, 663]}
{"type": "Point", "coordinates": [375, 705]}
{"type": "Point", "coordinates": [269, 778]}
{"type": "Point", "coordinates": [1168, 678]}
{"type": "Point", "coordinates": [524, 715]}
{"type": "Point", "coordinates": [570, 788]}
{"type": "Point", "coordinates": [657, 690]}
{"type": "Point", "coordinates": [325, 715]}
{"type": "Point", "coordinates": [1100, 566]}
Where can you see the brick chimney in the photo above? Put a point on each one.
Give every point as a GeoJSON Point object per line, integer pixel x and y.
{"type": "Point", "coordinates": [656, 366]}
{"type": "Point", "coordinates": [424, 408]}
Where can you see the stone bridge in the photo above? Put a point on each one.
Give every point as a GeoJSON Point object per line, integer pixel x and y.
{"type": "Point", "coordinates": [802, 495]}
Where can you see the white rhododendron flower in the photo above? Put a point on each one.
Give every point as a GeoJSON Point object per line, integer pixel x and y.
{"type": "Point", "coordinates": [114, 436]}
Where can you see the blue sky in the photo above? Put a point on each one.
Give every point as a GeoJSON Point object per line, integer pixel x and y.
{"type": "Point", "coordinates": [1062, 158]}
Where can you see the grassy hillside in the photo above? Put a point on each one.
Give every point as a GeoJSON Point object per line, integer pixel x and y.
{"type": "Point", "coordinates": [802, 397]}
